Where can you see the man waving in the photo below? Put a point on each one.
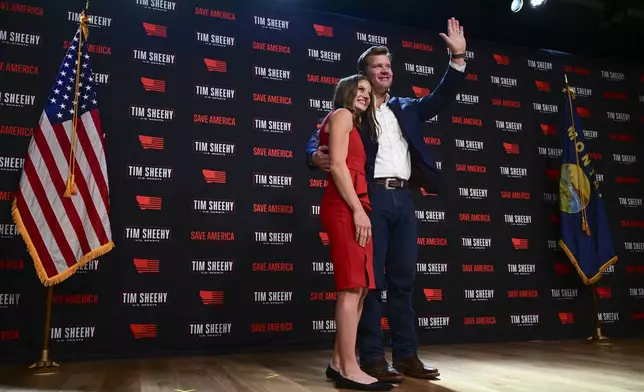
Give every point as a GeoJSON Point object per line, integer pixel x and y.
{"type": "Point", "coordinates": [397, 161]}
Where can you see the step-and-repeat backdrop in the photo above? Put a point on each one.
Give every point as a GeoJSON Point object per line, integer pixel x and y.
{"type": "Point", "coordinates": [207, 111]}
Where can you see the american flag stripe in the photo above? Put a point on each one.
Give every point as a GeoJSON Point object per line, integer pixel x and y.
{"type": "Point", "coordinates": [36, 222]}
{"type": "Point", "coordinates": [35, 242]}
{"type": "Point", "coordinates": [63, 233]}
{"type": "Point", "coordinates": [66, 212]}
{"type": "Point", "coordinates": [88, 139]}
{"type": "Point", "coordinates": [51, 145]}
{"type": "Point", "coordinates": [83, 186]}
{"type": "Point", "coordinates": [90, 126]}
{"type": "Point", "coordinates": [56, 243]}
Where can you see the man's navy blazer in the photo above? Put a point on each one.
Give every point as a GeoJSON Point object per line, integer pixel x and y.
{"type": "Point", "coordinates": [411, 114]}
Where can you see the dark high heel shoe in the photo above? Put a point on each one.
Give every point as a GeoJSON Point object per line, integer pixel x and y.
{"type": "Point", "coordinates": [342, 382]}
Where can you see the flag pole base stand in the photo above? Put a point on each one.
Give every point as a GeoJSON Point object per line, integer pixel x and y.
{"type": "Point", "coordinates": [44, 362]}
{"type": "Point", "coordinates": [600, 339]}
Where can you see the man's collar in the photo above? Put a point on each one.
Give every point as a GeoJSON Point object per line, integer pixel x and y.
{"type": "Point", "coordinates": [385, 102]}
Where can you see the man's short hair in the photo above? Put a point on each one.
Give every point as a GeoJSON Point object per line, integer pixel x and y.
{"type": "Point", "coordinates": [363, 60]}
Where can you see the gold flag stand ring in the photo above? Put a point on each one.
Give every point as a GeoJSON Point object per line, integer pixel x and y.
{"type": "Point", "coordinates": [44, 361]}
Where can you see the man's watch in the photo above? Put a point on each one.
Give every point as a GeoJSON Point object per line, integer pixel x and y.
{"type": "Point", "coordinates": [458, 56]}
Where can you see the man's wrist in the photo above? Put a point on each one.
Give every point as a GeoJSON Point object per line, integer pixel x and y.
{"type": "Point", "coordinates": [458, 60]}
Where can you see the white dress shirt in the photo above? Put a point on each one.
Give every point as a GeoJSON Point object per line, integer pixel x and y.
{"type": "Point", "coordinates": [393, 158]}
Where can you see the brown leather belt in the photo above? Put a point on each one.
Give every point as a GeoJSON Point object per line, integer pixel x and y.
{"type": "Point", "coordinates": [392, 183]}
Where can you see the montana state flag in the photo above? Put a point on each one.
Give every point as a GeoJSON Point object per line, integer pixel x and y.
{"type": "Point", "coordinates": [585, 234]}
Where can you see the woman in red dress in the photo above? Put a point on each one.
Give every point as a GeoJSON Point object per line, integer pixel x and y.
{"type": "Point", "coordinates": [343, 214]}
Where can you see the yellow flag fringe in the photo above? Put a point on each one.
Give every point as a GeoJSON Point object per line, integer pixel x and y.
{"type": "Point", "coordinates": [581, 274]}
{"type": "Point", "coordinates": [42, 275]}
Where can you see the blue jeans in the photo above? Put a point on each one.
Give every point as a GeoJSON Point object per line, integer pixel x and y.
{"type": "Point", "coordinates": [395, 252]}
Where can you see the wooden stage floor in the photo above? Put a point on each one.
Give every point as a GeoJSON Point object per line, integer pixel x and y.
{"type": "Point", "coordinates": [502, 367]}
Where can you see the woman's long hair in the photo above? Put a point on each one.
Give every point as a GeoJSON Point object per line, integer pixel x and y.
{"type": "Point", "coordinates": [343, 97]}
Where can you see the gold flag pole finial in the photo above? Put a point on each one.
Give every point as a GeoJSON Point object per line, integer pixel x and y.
{"type": "Point", "coordinates": [84, 19]}
{"type": "Point", "coordinates": [567, 89]}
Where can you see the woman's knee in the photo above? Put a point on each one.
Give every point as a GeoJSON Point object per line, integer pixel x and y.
{"type": "Point", "coordinates": [354, 292]}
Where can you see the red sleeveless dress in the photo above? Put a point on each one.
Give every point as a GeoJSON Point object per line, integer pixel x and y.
{"type": "Point", "coordinates": [352, 264]}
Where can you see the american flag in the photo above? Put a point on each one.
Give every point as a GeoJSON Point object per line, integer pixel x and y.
{"type": "Point", "coordinates": [63, 233]}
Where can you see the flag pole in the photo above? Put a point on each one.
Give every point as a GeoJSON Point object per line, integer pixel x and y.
{"type": "Point", "coordinates": [597, 337]}
{"type": "Point", "coordinates": [71, 180]}
{"type": "Point", "coordinates": [44, 361]}
{"type": "Point", "coordinates": [584, 222]}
